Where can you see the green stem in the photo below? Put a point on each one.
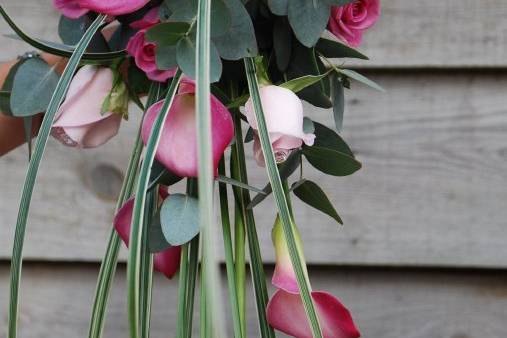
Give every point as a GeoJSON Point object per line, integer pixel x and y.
{"type": "Point", "coordinates": [256, 264]}
{"type": "Point", "coordinates": [281, 201]}
{"type": "Point", "coordinates": [240, 262]}
{"type": "Point", "coordinates": [134, 262]}
{"type": "Point", "coordinates": [193, 263]}
{"type": "Point", "coordinates": [146, 285]}
{"type": "Point", "coordinates": [182, 293]}
{"type": "Point", "coordinates": [33, 168]}
{"type": "Point", "coordinates": [229, 256]}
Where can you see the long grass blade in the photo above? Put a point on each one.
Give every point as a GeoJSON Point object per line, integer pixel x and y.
{"type": "Point", "coordinates": [205, 168]}
{"type": "Point", "coordinates": [135, 250]}
{"type": "Point", "coordinates": [110, 260]}
{"type": "Point", "coordinates": [33, 167]}
{"type": "Point", "coordinates": [281, 200]}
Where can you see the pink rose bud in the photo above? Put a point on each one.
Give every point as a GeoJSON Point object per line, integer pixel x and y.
{"type": "Point", "coordinates": [177, 150]}
{"type": "Point", "coordinates": [349, 22]}
{"type": "Point", "coordinates": [81, 120]}
{"type": "Point", "coordinates": [76, 8]}
{"type": "Point", "coordinates": [283, 111]}
{"type": "Point", "coordinates": [286, 313]}
{"type": "Point", "coordinates": [144, 55]}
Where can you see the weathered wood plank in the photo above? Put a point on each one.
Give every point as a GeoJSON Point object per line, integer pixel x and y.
{"type": "Point", "coordinates": [450, 33]}
{"type": "Point", "coordinates": [432, 190]}
{"type": "Point", "coordinates": [56, 302]}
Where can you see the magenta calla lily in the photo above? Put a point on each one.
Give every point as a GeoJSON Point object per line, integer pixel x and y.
{"type": "Point", "coordinates": [286, 313]}
{"type": "Point", "coordinates": [167, 261]}
{"type": "Point", "coordinates": [76, 8]}
{"type": "Point", "coordinates": [283, 111]}
{"type": "Point", "coordinates": [177, 149]}
{"type": "Point", "coordinates": [284, 276]}
{"type": "Point", "coordinates": [80, 121]}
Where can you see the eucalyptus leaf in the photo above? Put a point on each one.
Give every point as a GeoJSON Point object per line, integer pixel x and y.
{"type": "Point", "coordinates": [167, 33]}
{"type": "Point", "coordinates": [71, 30]}
{"type": "Point", "coordinates": [179, 218]}
{"type": "Point", "coordinates": [185, 55]}
{"type": "Point", "coordinates": [239, 41]}
{"type": "Point", "coordinates": [33, 87]}
{"type": "Point", "coordinates": [278, 7]}
{"type": "Point", "coordinates": [282, 43]}
{"type": "Point", "coordinates": [220, 18]}
{"type": "Point", "coordinates": [165, 57]}
{"type": "Point", "coordinates": [361, 78]}
{"type": "Point", "coordinates": [308, 19]}
{"type": "Point", "coordinates": [310, 193]}
{"type": "Point", "coordinates": [5, 100]}
{"type": "Point", "coordinates": [156, 238]}
{"type": "Point", "coordinates": [330, 161]}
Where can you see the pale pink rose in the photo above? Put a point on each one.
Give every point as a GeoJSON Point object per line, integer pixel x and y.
{"type": "Point", "coordinates": [286, 313]}
{"type": "Point", "coordinates": [144, 55]}
{"type": "Point", "coordinates": [349, 22]}
{"type": "Point", "coordinates": [79, 121]}
{"type": "Point", "coordinates": [76, 8]}
{"type": "Point", "coordinates": [283, 111]}
{"type": "Point", "coordinates": [177, 150]}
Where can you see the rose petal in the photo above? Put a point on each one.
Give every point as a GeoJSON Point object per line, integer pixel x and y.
{"type": "Point", "coordinates": [150, 19]}
{"type": "Point", "coordinates": [286, 313]}
{"type": "Point", "coordinates": [113, 7]}
{"type": "Point", "coordinates": [70, 8]}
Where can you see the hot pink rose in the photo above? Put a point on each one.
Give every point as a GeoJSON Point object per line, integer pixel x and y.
{"type": "Point", "coordinates": [80, 121]}
{"type": "Point", "coordinates": [350, 21]}
{"type": "Point", "coordinates": [76, 8]}
{"type": "Point", "coordinates": [144, 54]}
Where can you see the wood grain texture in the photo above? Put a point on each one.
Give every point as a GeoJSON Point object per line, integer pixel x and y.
{"type": "Point", "coordinates": [57, 299]}
{"type": "Point", "coordinates": [449, 33]}
{"type": "Point", "coordinates": [432, 191]}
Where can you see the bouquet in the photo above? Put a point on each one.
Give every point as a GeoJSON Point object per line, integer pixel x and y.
{"type": "Point", "coordinates": [209, 77]}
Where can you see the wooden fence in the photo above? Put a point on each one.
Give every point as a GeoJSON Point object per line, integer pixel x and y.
{"type": "Point", "coordinates": [422, 253]}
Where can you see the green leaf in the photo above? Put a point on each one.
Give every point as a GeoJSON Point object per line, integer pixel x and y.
{"type": "Point", "coordinates": [334, 49]}
{"type": "Point", "coordinates": [5, 100]}
{"type": "Point", "coordinates": [162, 175]}
{"type": "Point", "coordinates": [71, 30]}
{"type": "Point", "coordinates": [308, 126]}
{"type": "Point", "coordinates": [179, 218]}
{"type": "Point", "coordinates": [239, 41]}
{"type": "Point", "coordinates": [220, 18]}
{"type": "Point", "coordinates": [338, 92]}
{"type": "Point", "coordinates": [281, 202]}
{"type": "Point", "coordinates": [231, 181]}
{"type": "Point", "coordinates": [165, 57]}
{"type": "Point", "coordinates": [330, 161]}
{"type": "Point", "coordinates": [361, 78]}
{"type": "Point", "coordinates": [33, 86]}
{"type": "Point", "coordinates": [167, 33]}
{"type": "Point", "coordinates": [278, 7]}
{"type": "Point", "coordinates": [33, 167]}
{"type": "Point", "coordinates": [310, 193]}
{"type": "Point", "coordinates": [308, 19]}
{"type": "Point", "coordinates": [328, 138]}
{"type": "Point", "coordinates": [298, 84]}
{"type": "Point", "coordinates": [185, 55]}
{"type": "Point", "coordinates": [282, 43]}
{"type": "Point", "coordinates": [156, 238]}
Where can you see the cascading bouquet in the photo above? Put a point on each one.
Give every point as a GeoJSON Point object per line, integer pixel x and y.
{"type": "Point", "coordinates": [209, 76]}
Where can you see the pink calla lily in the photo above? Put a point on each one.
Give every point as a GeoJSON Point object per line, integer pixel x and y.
{"type": "Point", "coordinates": [76, 8]}
{"type": "Point", "coordinates": [286, 313]}
{"type": "Point", "coordinates": [284, 276]}
{"type": "Point", "coordinates": [167, 261]}
{"type": "Point", "coordinates": [79, 121]}
{"type": "Point", "coordinates": [178, 144]}
{"type": "Point", "coordinates": [283, 111]}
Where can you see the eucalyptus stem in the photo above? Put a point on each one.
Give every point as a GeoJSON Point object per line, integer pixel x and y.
{"type": "Point", "coordinates": [229, 257]}
{"type": "Point", "coordinates": [134, 262]}
{"type": "Point", "coordinates": [281, 200]}
{"type": "Point", "coordinates": [110, 260]}
{"type": "Point", "coordinates": [33, 168]}
{"type": "Point", "coordinates": [256, 263]}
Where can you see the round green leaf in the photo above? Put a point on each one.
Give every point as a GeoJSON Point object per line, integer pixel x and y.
{"type": "Point", "coordinates": [156, 238]}
{"type": "Point", "coordinates": [5, 99]}
{"type": "Point", "coordinates": [308, 19]}
{"type": "Point", "coordinates": [220, 18]}
{"type": "Point", "coordinates": [179, 218]}
{"type": "Point", "coordinates": [33, 86]}
{"type": "Point", "coordinates": [185, 55]}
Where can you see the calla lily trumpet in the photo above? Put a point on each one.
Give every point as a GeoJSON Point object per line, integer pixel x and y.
{"type": "Point", "coordinates": [286, 313]}
{"type": "Point", "coordinates": [167, 261]}
{"type": "Point", "coordinates": [75, 8]}
{"type": "Point", "coordinates": [177, 149]}
{"type": "Point", "coordinates": [80, 121]}
{"type": "Point", "coordinates": [283, 111]}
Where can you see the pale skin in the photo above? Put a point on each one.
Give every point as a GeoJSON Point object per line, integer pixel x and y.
{"type": "Point", "coordinates": [11, 128]}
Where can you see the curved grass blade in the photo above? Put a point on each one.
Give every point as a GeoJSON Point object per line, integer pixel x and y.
{"type": "Point", "coordinates": [205, 169]}
{"type": "Point", "coordinates": [281, 200]}
{"type": "Point", "coordinates": [108, 266]}
{"type": "Point", "coordinates": [33, 167]}
{"type": "Point", "coordinates": [135, 250]}
{"type": "Point", "coordinates": [53, 48]}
